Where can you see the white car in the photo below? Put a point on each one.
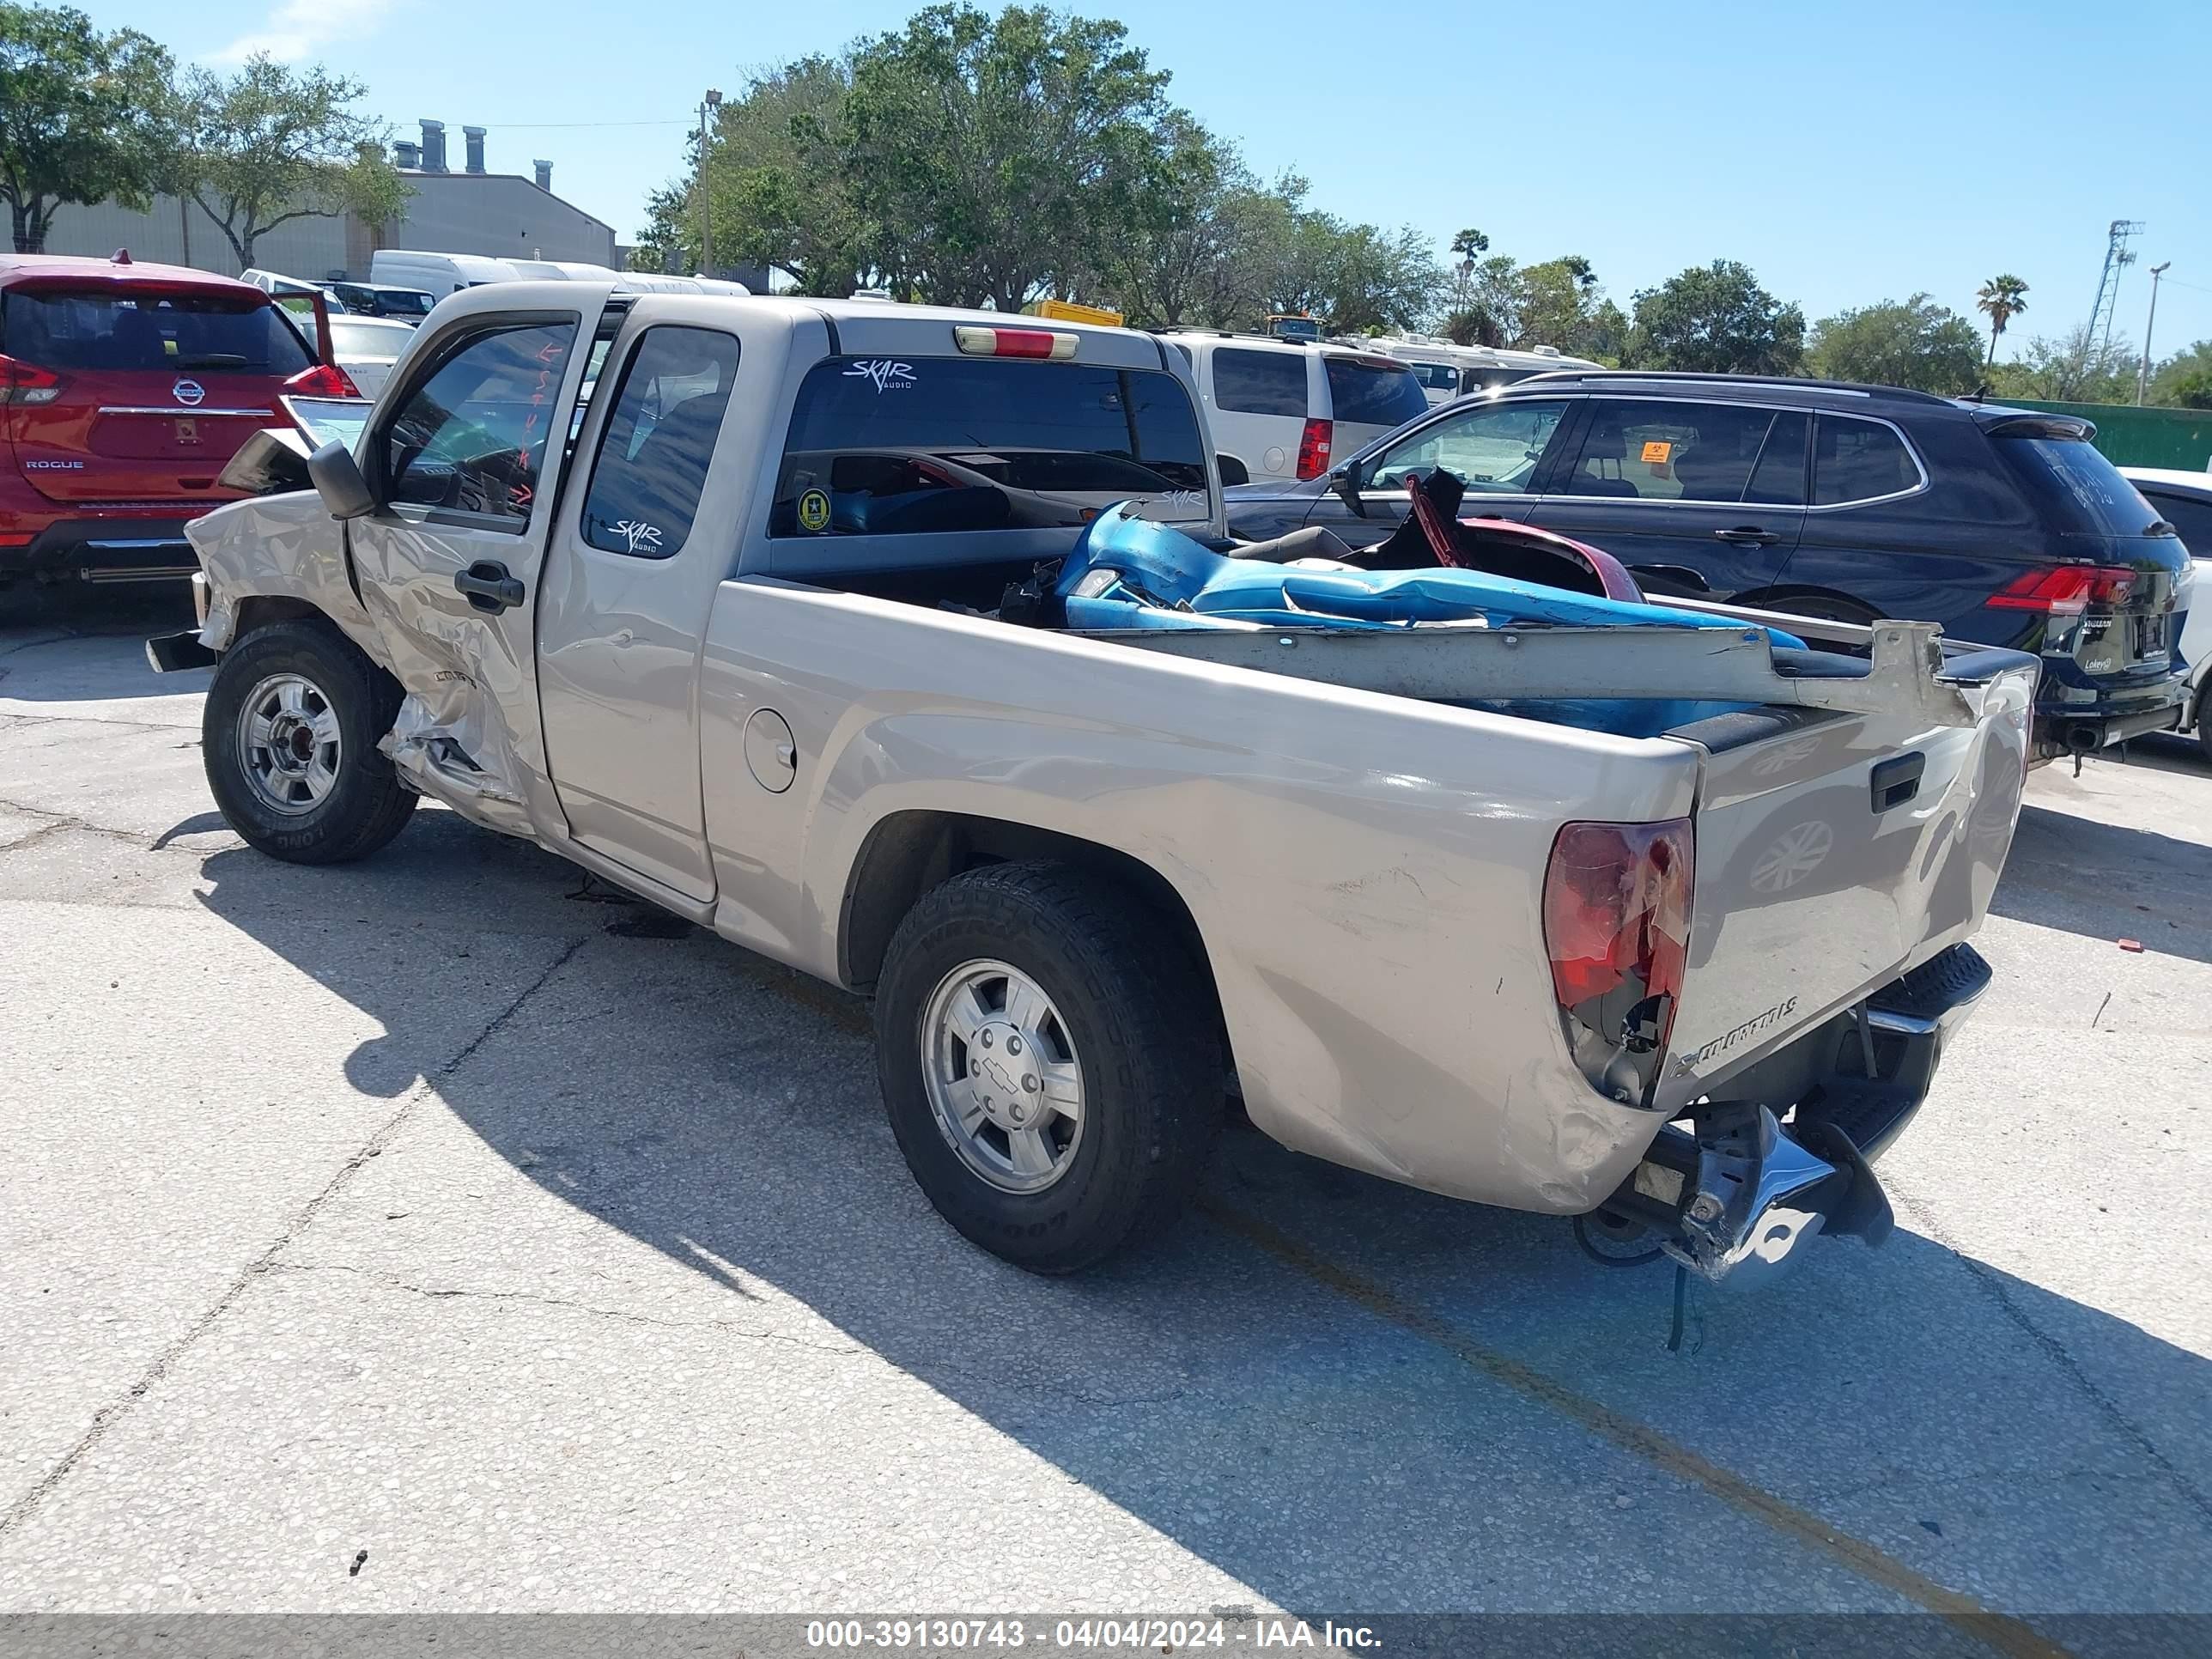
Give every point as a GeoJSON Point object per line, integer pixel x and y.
{"type": "Point", "coordinates": [2184, 500]}
{"type": "Point", "coordinates": [1280, 411]}
{"type": "Point", "coordinates": [367, 347]}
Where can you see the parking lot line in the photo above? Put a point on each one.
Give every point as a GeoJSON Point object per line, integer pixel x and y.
{"type": "Point", "coordinates": [2006, 1634]}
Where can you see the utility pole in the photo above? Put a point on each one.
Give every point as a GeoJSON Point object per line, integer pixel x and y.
{"type": "Point", "coordinates": [706, 202]}
{"type": "Point", "coordinates": [2142, 375]}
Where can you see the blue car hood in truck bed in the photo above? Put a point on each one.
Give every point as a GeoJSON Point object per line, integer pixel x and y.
{"type": "Point", "coordinates": [1128, 573]}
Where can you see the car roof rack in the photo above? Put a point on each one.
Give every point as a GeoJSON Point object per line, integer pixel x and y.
{"type": "Point", "coordinates": [1680, 377]}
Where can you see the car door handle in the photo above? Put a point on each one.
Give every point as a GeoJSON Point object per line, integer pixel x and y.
{"type": "Point", "coordinates": [1748, 535]}
{"type": "Point", "coordinates": [488, 585]}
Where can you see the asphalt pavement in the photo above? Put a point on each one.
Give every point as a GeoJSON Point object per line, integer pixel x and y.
{"type": "Point", "coordinates": [446, 1233]}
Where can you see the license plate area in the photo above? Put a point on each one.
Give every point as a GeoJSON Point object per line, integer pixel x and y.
{"type": "Point", "coordinates": [2148, 640]}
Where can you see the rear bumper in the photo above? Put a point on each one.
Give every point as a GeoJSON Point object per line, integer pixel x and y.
{"type": "Point", "coordinates": [101, 549]}
{"type": "Point", "coordinates": [2060, 731]}
{"type": "Point", "coordinates": [1737, 1195]}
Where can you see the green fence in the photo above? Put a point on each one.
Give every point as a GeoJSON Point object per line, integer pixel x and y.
{"type": "Point", "coordinates": [2141, 437]}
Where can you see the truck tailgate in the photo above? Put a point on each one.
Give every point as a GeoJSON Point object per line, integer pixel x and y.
{"type": "Point", "coordinates": [1834, 851]}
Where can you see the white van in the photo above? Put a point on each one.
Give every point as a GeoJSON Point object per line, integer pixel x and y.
{"type": "Point", "coordinates": [1281, 410]}
{"type": "Point", "coordinates": [438, 273]}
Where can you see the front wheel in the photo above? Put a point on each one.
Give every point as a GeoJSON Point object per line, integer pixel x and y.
{"type": "Point", "coordinates": [288, 737]}
{"type": "Point", "coordinates": [1047, 1062]}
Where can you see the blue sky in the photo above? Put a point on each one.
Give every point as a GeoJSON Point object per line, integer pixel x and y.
{"type": "Point", "coordinates": [1847, 152]}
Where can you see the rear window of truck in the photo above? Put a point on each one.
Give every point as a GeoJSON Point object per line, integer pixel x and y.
{"type": "Point", "coordinates": [100, 330]}
{"type": "Point", "coordinates": [882, 446]}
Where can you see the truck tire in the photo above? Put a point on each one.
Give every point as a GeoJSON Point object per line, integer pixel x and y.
{"type": "Point", "coordinates": [2204, 719]}
{"type": "Point", "coordinates": [288, 737]}
{"type": "Point", "coordinates": [1048, 1061]}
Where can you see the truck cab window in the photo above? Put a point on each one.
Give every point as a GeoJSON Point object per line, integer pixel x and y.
{"type": "Point", "coordinates": [659, 440]}
{"type": "Point", "coordinates": [882, 447]}
{"type": "Point", "coordinates": [470, 438]}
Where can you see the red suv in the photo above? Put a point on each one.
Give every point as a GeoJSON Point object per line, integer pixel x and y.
{"type": "Point", "coordinates": [125, 390]}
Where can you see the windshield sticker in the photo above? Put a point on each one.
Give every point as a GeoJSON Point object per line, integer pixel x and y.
{"type": "Point", "coordinates": [889, 376]}
{"type": "Point", "coordinates": [638, 536]}
{"type": "Point", "coordinates": [1656, 454]}
{"type": "Point", "coordinates": [814, 510]}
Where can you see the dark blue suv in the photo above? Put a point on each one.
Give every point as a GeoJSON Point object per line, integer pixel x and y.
{"type": "Point", "coordinates": [1848, 503]}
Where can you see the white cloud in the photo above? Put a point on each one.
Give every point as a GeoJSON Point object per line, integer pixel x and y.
{"type": "Point", "coordinates": [299, 29]}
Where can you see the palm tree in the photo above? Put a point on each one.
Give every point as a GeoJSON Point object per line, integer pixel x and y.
{"type": "Point", "coordinates": [2003, 297]}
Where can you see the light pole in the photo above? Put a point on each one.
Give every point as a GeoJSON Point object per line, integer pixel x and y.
{"type": "Point", "coordinates": [706, 202]}
{"type": "Point", "coordinates": [2142, 375]}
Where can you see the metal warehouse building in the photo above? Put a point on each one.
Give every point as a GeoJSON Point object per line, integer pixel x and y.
{"type": "Point", "coordinates": [475, 211]}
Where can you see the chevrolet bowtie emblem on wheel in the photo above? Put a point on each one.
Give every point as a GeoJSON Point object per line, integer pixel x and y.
{"type": "Point", "coordinates": [191, 394]}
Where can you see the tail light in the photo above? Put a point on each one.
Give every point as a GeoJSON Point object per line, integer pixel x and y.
{"type": "Point", "coordinates": [26, 383]}
{"type": "Point", "coordinates": [323, 380]}
{"type": "Point", "coordinates": [1049, 344]}
{"type": "Point", "coordinates": [1616, 929]}
{"type": "Point", "coordinates": [1313, 448]}
{"type": "Point", "coordinates": [2065, 590]}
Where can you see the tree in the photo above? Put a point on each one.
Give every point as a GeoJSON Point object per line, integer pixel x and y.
{"type": "Point", "coordinates": [1911, 342]}
{"type": "Point", "coordinates": [1186, 262]}
{"type": "Point", "coordinates": [1016, 148]}
{"type": "Point", "coordinates": [2002, 299]}
{"type": "Point", "coordinates": [1559, 303]}
{"type": "Point", "coordinates": [776, 187]}
{"type": "Point", "coordinates": [1482, 307]}
{"type": "Point", "coordinates": [2077, 367]}
{"type": "Point", "coordinates": [74, 115]}
{"type": "Point", "coordinates": [2192, 390]}
{"type": "Point", "coordinates": [1717, 320]}
{"type": "Point", "coordinates": [270, 145]}
{"type": "Point", "coordinates": [2191, 364]}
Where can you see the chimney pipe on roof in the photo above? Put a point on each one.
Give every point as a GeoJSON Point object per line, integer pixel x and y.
{"type": "Point", "coordinates": [544, 170]}
{"type": "Point", "coordinates": [473, 137]}
{"type": "Point", "coordinates": [407, 156]}
{"type": "Point", "coordinates": [434, 146]}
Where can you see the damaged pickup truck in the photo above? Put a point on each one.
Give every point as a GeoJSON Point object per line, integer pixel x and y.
{"type": "Point", "coordinates": [893, 643]}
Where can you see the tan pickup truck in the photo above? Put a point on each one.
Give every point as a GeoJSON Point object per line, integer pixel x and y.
{"type": "Point", "coordinates": [1655, 917]}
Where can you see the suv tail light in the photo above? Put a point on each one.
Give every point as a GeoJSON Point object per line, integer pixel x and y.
{"type": "Point", "coordinates": [323, 380]}
{"type": "Point", "coordinates": [26, 383]}
{"type": "Point", "coordinates": [1617, 930]}
{"type": "Point", "coordinates": [1313, 448]}
{"type": "Point", "coordinates": [2065, 590]}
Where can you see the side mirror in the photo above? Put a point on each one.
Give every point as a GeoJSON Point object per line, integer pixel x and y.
{"type": "Point", "coordinates": [1233, 471]}
{"type": "Point", "coordinates": [1347, 481]}
{"type": "Point", "coordinates": [337, 480]}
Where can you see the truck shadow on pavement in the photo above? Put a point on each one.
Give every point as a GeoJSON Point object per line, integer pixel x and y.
{"type": "Point", "coordinates": [1344, 1393]}
{"type": "Point", "coordinates": [2106, 881]}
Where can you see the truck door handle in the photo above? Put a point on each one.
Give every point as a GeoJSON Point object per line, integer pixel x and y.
{"type": "Point", "coordinates": [1748, 535]}
{"type": "Point", "coordinates": [488, 585]}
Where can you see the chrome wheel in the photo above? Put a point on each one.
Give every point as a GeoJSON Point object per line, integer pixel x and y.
{"type": "Point", "coordinates": [288, 744]}
{"type": "Point", "coordinates": [1002, 1076]}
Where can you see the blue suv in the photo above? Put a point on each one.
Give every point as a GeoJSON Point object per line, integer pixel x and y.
{"type": "Point", "coordinates": [1847, 503]}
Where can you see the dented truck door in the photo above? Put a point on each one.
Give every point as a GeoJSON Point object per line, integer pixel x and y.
{"type": "Point", "coordinates": [463, 458]}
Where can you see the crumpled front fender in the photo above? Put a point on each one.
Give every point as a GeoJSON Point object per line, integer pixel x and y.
{"type": "Point", "coordinates": [284, 547]}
